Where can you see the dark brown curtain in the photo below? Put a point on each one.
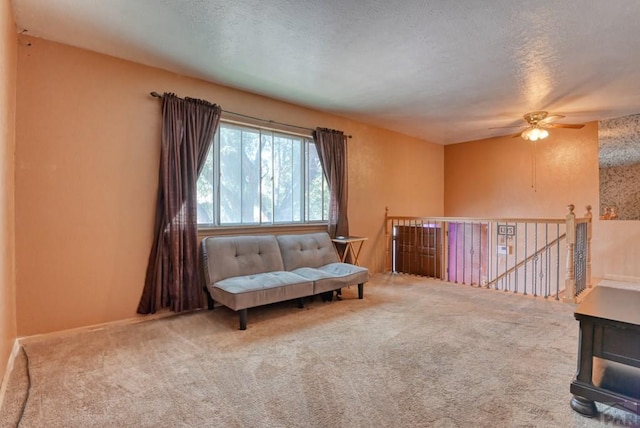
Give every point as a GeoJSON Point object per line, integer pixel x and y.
{"type": "Point", "coordinates": [173, 280]}
{"type": "Point", "coordinates": [332, 151]}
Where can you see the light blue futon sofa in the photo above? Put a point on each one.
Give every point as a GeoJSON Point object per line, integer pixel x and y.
{"type": "Point", "coordinates": [246, 271]}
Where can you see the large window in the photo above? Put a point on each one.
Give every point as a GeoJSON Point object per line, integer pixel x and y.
{"type": "Point", "coordinates": [254, 176]}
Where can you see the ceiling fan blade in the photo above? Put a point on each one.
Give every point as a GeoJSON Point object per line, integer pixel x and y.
{"type": "Point", "coordinates": [512, 126]}
{"type": "Point", "coordinates": [551, 118]}
{"type": "Point", "coordinates": [564, 125]}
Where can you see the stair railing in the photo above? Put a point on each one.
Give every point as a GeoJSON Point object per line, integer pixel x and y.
{"type": "Point", "coordinates": [519, 255]}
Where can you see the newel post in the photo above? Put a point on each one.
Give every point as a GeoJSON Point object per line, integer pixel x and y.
{"type": "Point", "coordinates": [570, 281]}
{"type": "Point", "coordinates": [387, 249]}
{"type": "Point", "coordinates": [589, 216]}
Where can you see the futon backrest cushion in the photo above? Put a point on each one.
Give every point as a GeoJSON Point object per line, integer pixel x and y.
{"type": "Point", "coordinates": [308, 250]}
{"type": "Point", "coordinates": [231, 256]}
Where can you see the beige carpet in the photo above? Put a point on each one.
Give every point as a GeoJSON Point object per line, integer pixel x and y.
{"type": "Point", "coordinates": [413, 353]}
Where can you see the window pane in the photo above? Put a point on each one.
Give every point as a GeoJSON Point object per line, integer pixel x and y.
{"type": "Point", "coordinates": [315, 180]}
{"type": "Point", "coordinates": [205, 191]}
{"type": "Point", "coordinates": [296, 180]}
{"type": "Point", "coordinates": [250, 176]}
{"type": "Point", "coordinates": [230, 174]}
{"type": "Point", "coordinates": [282, 179]}
{"type": "Point", "coordinates": [266, 183]}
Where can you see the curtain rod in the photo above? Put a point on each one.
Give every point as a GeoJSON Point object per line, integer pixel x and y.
{"type": "Point", "coordinates": [157, 95]}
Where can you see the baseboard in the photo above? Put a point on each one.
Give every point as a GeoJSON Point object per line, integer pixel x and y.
{"type": "Point", "coordinates": [624, 278]}
{"type": "Point", "coordinates": [8, 370]}
{"type": "Point", "coordinates": [74, 331]}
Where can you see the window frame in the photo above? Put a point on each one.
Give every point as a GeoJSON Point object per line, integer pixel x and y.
{"type": "Point", "coordinates": [306, 141]}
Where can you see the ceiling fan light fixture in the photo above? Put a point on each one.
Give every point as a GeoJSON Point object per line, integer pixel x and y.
{"type": "Point", "coordinates": [534, 133]}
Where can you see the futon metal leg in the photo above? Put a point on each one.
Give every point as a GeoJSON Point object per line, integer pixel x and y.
{"type": "Point", "coordinates": [209, 299]}
{"type": "Point", "coordinates": [242, 313]}
{"type": "Point", "coordinates": [300, 302]}
{"type": "Point", "coordinates": [360, 291]}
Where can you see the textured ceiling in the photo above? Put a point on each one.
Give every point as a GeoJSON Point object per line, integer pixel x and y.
{"type": "Point", "coordinates": [443, 71]}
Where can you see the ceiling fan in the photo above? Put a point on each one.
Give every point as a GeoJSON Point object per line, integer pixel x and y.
{"type": "Point", "coordinates": [537, 124]}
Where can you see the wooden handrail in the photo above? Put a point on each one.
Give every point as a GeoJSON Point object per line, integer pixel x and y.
{"type": "Point", "coordinates": [487, 219]}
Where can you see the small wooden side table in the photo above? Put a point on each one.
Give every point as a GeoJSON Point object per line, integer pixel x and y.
{"type": "Point", "coordinates": [348, 242]}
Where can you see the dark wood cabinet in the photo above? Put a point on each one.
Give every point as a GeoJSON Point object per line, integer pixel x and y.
{"type": "Point", "coordinates": [609, 342]}
{"type": "Point", "coordinates": [418, 250]}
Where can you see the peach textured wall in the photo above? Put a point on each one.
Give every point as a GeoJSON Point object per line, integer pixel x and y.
{"type": "Point", "coordinates": [87, 149]}
{"type": "Point", "coordinates": [493, 178]}
{"type": "Point", "coordinates": [8, 66]}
